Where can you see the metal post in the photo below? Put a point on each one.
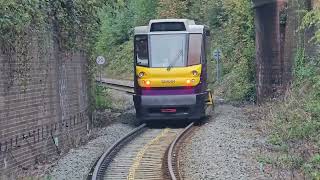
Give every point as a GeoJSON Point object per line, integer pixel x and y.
{"type": "Point", "coordinates": [100, 61]}
{"type": "Point", "coordinates": [100, 74]}
{"type": "Point", "coordinates": [220, 70]}
{"type": "Point", "coordinates": [217, 56]}
{"type": "Point", "coordinates": [218, 73]}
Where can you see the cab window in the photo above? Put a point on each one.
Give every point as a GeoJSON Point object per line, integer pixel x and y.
{"type": "Point", "coordinates": [195, 47]}
{"type": "Point", "coordinates": [141, 50]}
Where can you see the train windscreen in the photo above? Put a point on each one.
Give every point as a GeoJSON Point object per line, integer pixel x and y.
{"type": "Point", "coordinates": [168, 50]}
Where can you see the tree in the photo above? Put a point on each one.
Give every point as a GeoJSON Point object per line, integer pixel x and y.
{"type": "Point", "coordinates": [172, 8]}
{"type": "Point", "coordinates": [144, 10]}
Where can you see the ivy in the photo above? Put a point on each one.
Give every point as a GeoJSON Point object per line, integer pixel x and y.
{"type": "Point", "coordinates": [172, 8]}
{"type": "Point", "coordinates": [71, 24]}
{"type": "Point", "coordinates": [312, 19]}
{"type": "Point", "coordinates": [232, 27]}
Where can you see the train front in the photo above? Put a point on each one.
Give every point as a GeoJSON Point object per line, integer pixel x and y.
{"type": "Point", "coordinates": [170, 70]}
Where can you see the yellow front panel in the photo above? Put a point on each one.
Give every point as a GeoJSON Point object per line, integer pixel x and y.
{"type": "Point", "coordinates": [175, 77]}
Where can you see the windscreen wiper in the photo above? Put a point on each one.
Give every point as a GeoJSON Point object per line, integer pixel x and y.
{"type": "Point", "coordinates": [175, 60]}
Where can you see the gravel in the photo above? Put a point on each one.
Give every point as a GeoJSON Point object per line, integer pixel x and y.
{"type": "Point", "coordinates": [223, 148]}
{"type": "Point", "coordinates": [77, 163]}
{"type": "Point", "coordinates": [121, 101]}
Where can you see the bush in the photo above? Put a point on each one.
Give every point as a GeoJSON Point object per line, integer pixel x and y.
{"type": "Point", "coordinates": [296, 120]}
{"type": "Point", "coordinates": [234, 32]}
{"type": "Point", "coordinates": [121, 61]}
{"type": "Point", "coordinates": [102, 100]}
{"type": "Point", "coordinates": [312, 167]}
{"type": "Point", "coordinates": [115, 37]}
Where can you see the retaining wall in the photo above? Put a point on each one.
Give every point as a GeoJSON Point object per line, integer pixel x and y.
{"type": "Point", "coordinates": [43, 101]}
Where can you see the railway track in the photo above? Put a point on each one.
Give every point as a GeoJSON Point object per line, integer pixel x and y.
{"type": "Point", "coordinates": [173, 154]}
{"type": "Point", "coordinates": [144, 153]}
{"type": "Point", "coordinates": [120, 85]}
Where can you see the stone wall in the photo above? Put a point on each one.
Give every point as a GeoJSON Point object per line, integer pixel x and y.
{"type": "Point", "coordinates": [43, 101]}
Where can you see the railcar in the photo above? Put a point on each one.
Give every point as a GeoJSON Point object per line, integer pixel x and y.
{"type": "Point", "coordinates": [170, 70]}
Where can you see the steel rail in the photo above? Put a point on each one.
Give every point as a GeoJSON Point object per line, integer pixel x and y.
{"type": "Point", "coordinates": [105, 159]}
{"type": "Point", "coordinates": [117, 86]}
{"type": "Point", "coordinates": [171, 152]}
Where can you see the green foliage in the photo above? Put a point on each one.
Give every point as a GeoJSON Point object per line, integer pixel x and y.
{"type": "Point", "coordinates": [312, 19]}
{"type": "Point", "coordinates": [115, 28]}
{"type": "Point", "coordinates": [121, 65]}
{"type": "Point", "coordinates": [69, 20]}
{"type": "Point", "coordinates": [118, 21]}
{"type": "Point", "coordinates": [26, 24]}
{"type": "Point", "coordinates": [284, 161]}
{"type": "Point", "coordinates": [172, 8]}
{"type": "Point", "coordinates": [102, 100]}
{"type": "Point", "coordinates": [209, 12]}
{"type": "Point", "coordinates": [297, 119]}
{"type": "Point", "coordinates": [289, 161]}
{"type": "Point", "coordinates": [144, 10]}
{"type": "Point", "coordinates": [265, 160]}
{"type": "Point", "coordinates": [238, 85]}
{"type": "Point", "coordinates": [18, 15]}
{"type": "Point", "coordinates": [232, 26]}
{"type": "Point", "coordinates": [283, 16]}
{"type": "Point", "coordinates": [115, 36]}
{"type": "Point", "coordinates": [313, 167]}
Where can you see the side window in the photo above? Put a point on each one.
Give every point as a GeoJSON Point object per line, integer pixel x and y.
{"type": "Point", "coordinates": [141, 50]}
{"type": "Point", "coordinates": [195, 48]}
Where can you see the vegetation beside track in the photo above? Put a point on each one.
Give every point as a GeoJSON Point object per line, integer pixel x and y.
{"type": "Point", "coordinates": [293, 123]}
{"type": "Point", "coordinates": [102, 98]}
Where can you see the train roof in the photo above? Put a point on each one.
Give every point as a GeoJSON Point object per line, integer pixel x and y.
{"type": "Point", "coordinates": [189, 26]}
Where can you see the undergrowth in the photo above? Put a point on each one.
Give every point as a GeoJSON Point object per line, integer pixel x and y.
{"type": "Point", "coordinates": [121, 66]}
{"type": "Point", "coordinates": [292, 123]}
{"type": "Point", "coordinates": [102, 99]}
{"type": "Point", "coordinates": [235, 36]}
{"type": "Point", "coordinates": [295, 121]}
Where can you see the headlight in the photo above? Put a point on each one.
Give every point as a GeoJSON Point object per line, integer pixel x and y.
{"type": "Point", "coordinates": [141, 74]}
{"type": "Point", "coordinates": [147, 82]}
{"type": "Point", "coordinates": [195, 73]}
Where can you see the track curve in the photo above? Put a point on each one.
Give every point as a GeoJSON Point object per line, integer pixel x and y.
{"type": "Point", "coordinates": [173, 154]}
{"type": "Point", "coordinates": [144, 153]}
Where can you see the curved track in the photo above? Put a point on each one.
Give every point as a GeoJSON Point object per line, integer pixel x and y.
{"type": "Point", "coordinates": [173, 161]}
{"type": "Point", "coordinates": [142, 154]}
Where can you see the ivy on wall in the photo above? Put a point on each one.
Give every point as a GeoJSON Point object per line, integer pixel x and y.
{"type": "Point", "coordinates": [26, 24]}
{"type": "Point", "coordinates": [312, 19]}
